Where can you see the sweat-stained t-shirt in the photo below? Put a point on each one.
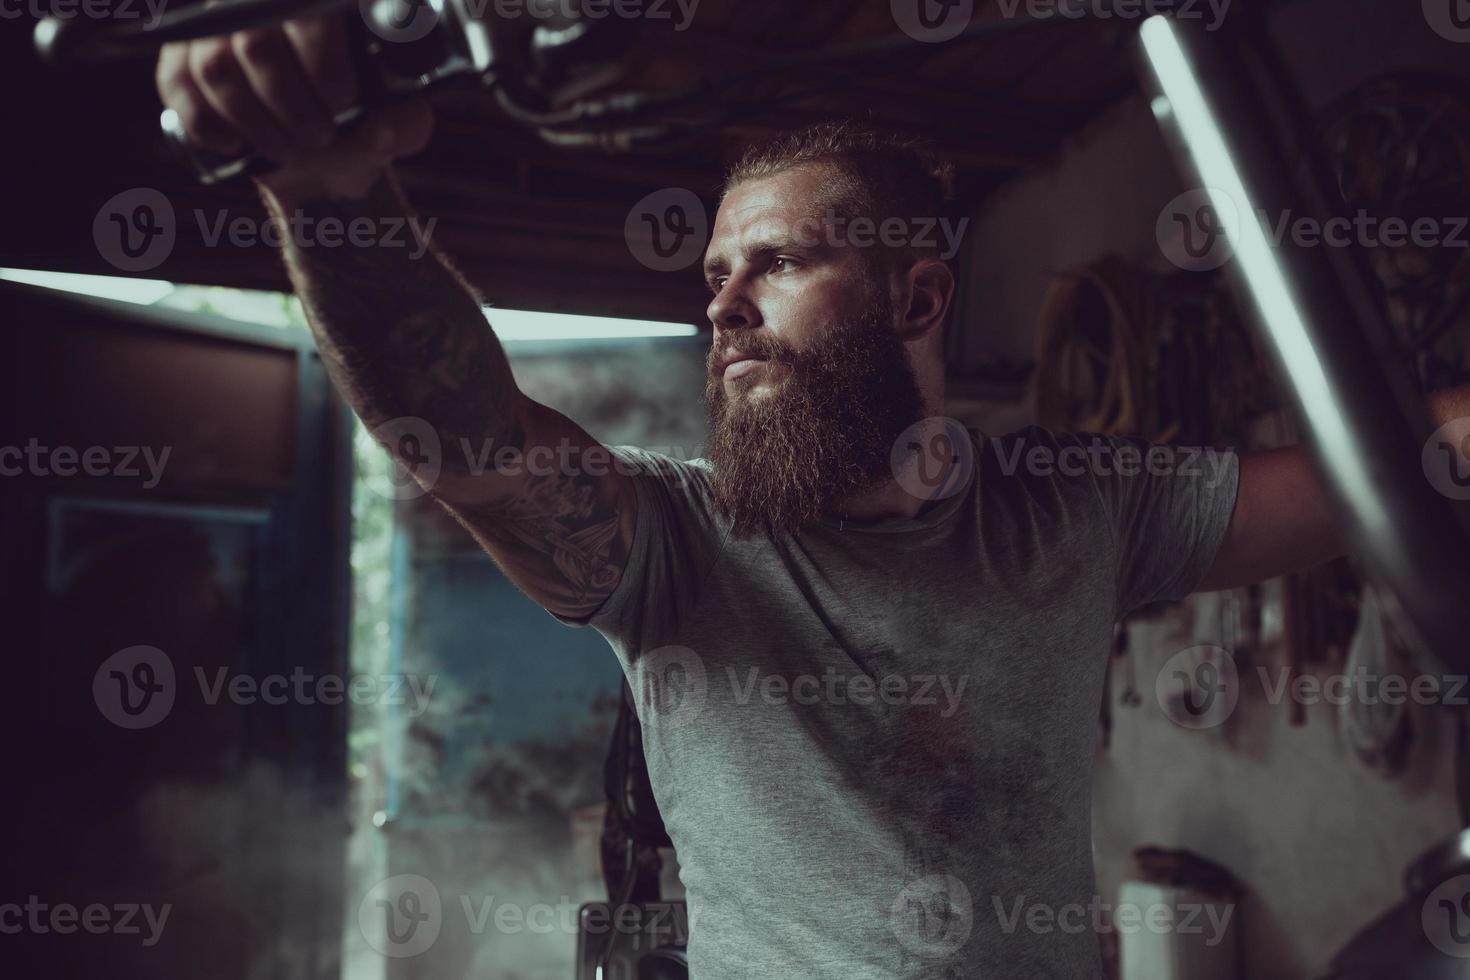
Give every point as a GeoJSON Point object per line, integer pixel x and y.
{"type": "Point", "coordinates": [872, 745]}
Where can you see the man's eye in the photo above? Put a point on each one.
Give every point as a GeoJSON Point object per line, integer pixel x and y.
{"type": "Point", "coordinates": [782, 260]}
{"type": "Point", "coordinates": [716, 283]}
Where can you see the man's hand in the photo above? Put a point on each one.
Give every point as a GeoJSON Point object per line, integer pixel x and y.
{"type": "Point", "coordinates": [401, 335]}
{"type": "Point", "coordinates": [275, 91]}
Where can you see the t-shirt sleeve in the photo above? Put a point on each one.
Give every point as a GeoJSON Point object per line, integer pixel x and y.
{"type": "Point", "coordinates": [1168, 508]}
{"type": "Point", "coordinates": [677, 538]}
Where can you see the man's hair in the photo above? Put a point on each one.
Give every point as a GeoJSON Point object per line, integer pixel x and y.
{"type": "Point", "coordinates": [878, 175]}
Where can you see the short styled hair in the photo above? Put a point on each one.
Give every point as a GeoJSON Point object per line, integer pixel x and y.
{"type": "Point", "coordinates": [878, 175]}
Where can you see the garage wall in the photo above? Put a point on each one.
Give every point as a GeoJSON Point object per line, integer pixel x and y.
{"type": "Point", "coordinates": [1319, 840]}
{"type": "Point", "coordinates": [495, 790]}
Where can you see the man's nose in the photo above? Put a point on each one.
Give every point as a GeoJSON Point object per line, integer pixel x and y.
{"type": "Point", "coordinates": [732, 309]}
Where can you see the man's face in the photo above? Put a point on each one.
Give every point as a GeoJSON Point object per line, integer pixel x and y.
{"type": "Point", "coordinates": [777, 279]}
{"type": "Point", "coordinates": [809, 383]}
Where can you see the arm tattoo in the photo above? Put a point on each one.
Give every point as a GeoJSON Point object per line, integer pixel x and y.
{"type": "Point", "coordinates": [579, 535]}
{"type": "Point", "coordinates": [402, 335]}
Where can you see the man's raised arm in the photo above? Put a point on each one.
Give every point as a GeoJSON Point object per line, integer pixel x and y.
{"type": "Point", "coordinates": [402, 336]}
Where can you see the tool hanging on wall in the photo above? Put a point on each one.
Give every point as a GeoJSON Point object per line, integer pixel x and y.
{"type": "Point", "coordinates": [1123, 351]}
{"type": "Point", "coordinates": [1379, 729]}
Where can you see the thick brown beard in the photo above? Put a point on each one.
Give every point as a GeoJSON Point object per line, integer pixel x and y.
{"type": "Point", "coordinates": [823, 435]}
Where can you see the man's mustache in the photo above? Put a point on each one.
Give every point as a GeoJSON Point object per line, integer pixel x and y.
{"type": "Point", "coordinates": [765, 348]}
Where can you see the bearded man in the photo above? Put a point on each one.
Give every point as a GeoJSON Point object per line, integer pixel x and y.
{"type": "Point", "coordinates": [889, 633]}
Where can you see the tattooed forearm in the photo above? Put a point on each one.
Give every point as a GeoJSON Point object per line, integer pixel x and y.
{"type": "Point", "coordinates": [400, 332]}
{"type": "Point", "coordinates": [403, 337]}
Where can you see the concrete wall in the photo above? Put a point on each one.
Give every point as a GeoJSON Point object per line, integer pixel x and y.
{"type": "Point", "coordinates": [1319, 840]}
{"type": "Point", "coordinates": [496, 788]}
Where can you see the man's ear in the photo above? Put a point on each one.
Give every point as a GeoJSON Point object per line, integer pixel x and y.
{"type": "Point", "coordinates": [930, 290]}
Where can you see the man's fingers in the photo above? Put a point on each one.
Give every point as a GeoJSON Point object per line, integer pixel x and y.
{"type": "Point", "coordinates": [321, 48]}
{"type": "Point", "coordinates": [178, 91]}
{"type": "Point", "coordinates": [395, 130]}
{"type": "Point", "coordinates": [228, 91]}
{"type": "Point", "coordinates": [269, 62]}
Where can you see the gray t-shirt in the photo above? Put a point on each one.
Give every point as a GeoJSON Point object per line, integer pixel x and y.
{"type": "Point", "coordinates": [872, 745]}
